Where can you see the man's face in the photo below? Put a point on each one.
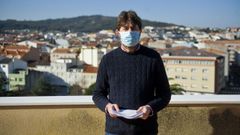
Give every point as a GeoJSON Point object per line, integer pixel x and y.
{"type": "Point", "coordinates": [129, 35]}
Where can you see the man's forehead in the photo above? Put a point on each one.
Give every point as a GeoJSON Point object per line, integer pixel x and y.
{"type": "Point", "coordinates": [129, 25]}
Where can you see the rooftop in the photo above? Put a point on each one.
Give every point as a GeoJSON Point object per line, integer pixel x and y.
{"type": "Point", "coordinates": [5, 60]}
{"type": "Point", "coordinates": [186, 51]}
{"type": "Point", "coordinates": [222, 42]}
{"type": "Point", "coordinates": [15, 51]}
{"type": "Point", "coordinates": [16, 47]}
{"type": "Point", "coordinates": [89, 69]}
{"type": "Point", "coordinates": [62, 50]}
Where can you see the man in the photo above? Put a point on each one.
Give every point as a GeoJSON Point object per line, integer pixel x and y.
{"type": "Point", "coordinates": [131, 77]}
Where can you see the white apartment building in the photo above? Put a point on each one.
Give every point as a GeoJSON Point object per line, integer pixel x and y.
{"type": "Point", "coordinates": [8, 66]}
{"type": "Point", "coordinates": [198, 35]}
{"type": "Point", "coordinates": [28, 43]}
{"type": "Point", "coordinates": [226, 48]}
{"type": "Point", "coordinates": [66, 71]}
{"type": "Point", "coordinates": [195, 70]}
{"type": "Point", "coordinates": [62, 42]}
{"type": "Point", "coordinates": [61, 53]}
{"type": "Point", "coordinates": [158, 44]}
{"type": "Point", "coordinates": [92, 55]}
{"type": "Point", "coordinates": [43, 46]}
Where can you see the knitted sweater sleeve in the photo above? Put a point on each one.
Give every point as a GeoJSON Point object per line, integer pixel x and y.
{"type": "Point", "coordinates": [162, 88]}
{"type": "Point", "coordinates": [101, 91]}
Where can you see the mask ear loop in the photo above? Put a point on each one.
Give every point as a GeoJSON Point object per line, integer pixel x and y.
{"type": "Point", "coordinates": [117, 34]}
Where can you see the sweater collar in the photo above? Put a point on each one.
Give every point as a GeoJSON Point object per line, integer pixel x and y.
{"type": "Point", "coordinates": [136, 48]}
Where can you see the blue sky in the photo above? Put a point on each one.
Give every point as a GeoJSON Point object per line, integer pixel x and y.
{"type": "Point", "coordinates": [200, 13]}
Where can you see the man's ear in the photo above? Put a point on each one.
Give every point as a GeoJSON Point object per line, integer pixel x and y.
{"type": "Point", "coordinates": [117, 32]}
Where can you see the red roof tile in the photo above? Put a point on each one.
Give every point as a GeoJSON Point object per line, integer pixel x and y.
{"type": "Point", "coordinates": [18, 47]}
{"type": "Point", "coordinates": [222, 42]}
{"type": "Point", "coordinates": [62, 50]}
{"type": "Point", "coordinates": [89, 69]}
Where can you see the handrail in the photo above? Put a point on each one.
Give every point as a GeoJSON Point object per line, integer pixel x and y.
{"type": "Point", "coordinates": [87, 100]}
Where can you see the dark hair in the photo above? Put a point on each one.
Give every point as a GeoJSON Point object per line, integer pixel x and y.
{"type": "Point", "coordinates": [128, 17]}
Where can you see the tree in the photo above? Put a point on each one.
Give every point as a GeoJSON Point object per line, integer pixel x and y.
{"type": "Point", "coordinates": [75, 89]}
{"type": "Point", "coordinates": [20, 87]}
{"type": "Point", "coordinates": [89, 91]}
{"type": "Point", "coordinates": [3, 82]}
{"type": "Point", "coordinates": [1, 86]}
{"type": "Point", "coordinates": [15, 93]}
{"type": "Point", "coordinates": [52, 41]}
{"type": "Point", "coordinates": [175, 88]}
{"type": "Point", "coordinates": [44, 88]}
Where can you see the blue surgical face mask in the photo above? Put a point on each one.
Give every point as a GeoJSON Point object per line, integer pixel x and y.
{"type": "Point", "coordinates": [130, 38]}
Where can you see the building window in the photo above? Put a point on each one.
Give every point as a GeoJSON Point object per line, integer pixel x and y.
{"type": "Point", "coordinates": [204, 78]}
{"type": "Point", "coordinates": [176, 62]}
{"type": "Point", "coordinates": [185, 86]}
{"type": "Point", "coordinates": [184, 77]}
{"type": "Point", "coordinates": [210, 63]}
{"type": "Point", "coordinates": [204, 87]}
{"type": "Point", "coordinates": [198, 62]}
{"type": "Point", "coordinates": [193, 85]}
{"type": "Point", "coordinates": [170, 69]}
{"type": "Point", "coordinates": [170, 62]}
{"type": "Point", "coordinates": [177, 77]}
{"type": "Point", "coordinates": [193, 78]}
{"type": "Point", "coordinates": [205, 70]}
{"type": "Point", "coordinates": [193, 70]}
{"type": "Point", "coordinates": [184, 62]}
{"type": "Point", "coordinates": [20, 79]}
{"type": "Point", "coordinates": [178, 69]}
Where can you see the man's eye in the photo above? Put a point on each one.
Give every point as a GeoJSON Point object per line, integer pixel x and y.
{"type": "Point", "coordinates": [125, 28]}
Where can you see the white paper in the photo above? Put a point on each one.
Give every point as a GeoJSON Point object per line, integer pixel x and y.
{"type": "Point", "coordinates": [128, 113]}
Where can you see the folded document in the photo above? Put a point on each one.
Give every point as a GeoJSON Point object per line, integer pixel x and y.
{"type": "Point", "coordinates": [128, 114]}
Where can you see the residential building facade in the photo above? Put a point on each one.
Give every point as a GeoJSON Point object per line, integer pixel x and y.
{"type": "Point", "coordinates": [68, 73]}
{"type": "Point", "coordinates": [92, 55]}
{"type": "Point", "coordinates": [15, 71]}
{"type": "Point", "coordinates": [200, 73]}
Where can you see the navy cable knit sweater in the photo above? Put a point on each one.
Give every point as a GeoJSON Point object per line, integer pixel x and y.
{"type": "Point", "coordinates": [132, 80]}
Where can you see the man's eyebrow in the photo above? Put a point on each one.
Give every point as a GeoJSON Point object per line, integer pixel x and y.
{"type": "Point", "coordinates": [127, 26]}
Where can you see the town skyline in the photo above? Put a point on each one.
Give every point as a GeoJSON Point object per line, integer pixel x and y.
{"type": "Point", "coordinates": [220, 14]}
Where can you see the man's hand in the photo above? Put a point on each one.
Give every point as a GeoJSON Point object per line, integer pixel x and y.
{"type": "Point", "coordinates": [110, 107]}
{"type": "Point", "coordinates": [146, 110]}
